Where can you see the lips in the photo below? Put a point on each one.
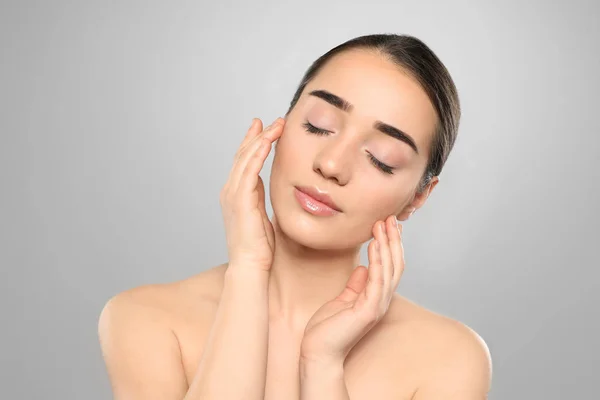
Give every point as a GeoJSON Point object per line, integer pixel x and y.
{"type": "Point", "coordinates": [322, 197]}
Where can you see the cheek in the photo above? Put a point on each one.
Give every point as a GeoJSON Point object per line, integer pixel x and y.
{"type": "Point", "coordinates": [290, 150]}
{"type": "Point", "coordinates": [376, 200]}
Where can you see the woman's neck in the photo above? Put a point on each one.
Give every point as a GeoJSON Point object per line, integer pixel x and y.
{"type": "Point", "coordinates": [303, 279]}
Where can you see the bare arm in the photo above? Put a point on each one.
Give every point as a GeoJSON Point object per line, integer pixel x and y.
{"type": "Point", "coordinates": [143, 356]}
{"type": "Point", "coordinates": [322, 381]}
{"type": "Point", "coordinates": [234, 362]}
{"type": "Point", "coordinates": [142, 353]}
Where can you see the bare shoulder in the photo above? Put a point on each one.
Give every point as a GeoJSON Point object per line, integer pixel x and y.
{"type": "Point", "coordinates": [451, 357]}
{"type": "Point", "coordinates": [405, 314]}
{"type": "Point", "coordinates": [138, 330]}
{"type": "Point", "coordinates": [165, 302]}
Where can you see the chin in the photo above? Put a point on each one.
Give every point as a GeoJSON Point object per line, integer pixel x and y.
{"type": "Point", "coordinates": [309, 230]}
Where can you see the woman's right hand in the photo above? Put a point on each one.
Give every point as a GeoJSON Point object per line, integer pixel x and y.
{"type": "Point", "coordinates": [250, 236]}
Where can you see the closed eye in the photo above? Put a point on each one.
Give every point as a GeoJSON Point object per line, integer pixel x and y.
{"type": "Point", "coordinates": [318, 131]}
{"type": "Point", "coordinates": [313, 129]}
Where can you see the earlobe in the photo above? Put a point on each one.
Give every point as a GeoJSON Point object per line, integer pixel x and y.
{"type": "Point", "coordinates": [421, 198]}
{"type": "Point", "coordinates": [434, 181]}
{"type": "Point", "coordinates": [406, 214]}
{"type": "Point", "coordinates": [418, 201]}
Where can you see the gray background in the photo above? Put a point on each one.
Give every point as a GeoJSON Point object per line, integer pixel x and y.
{"type": "Point", "coordinates": [120, 120]}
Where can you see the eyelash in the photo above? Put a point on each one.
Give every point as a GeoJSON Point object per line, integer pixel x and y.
{"type": "Point", "coordinates": [318, 131]}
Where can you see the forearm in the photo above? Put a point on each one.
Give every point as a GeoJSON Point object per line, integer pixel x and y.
{"type": "Point", "coordinates": [322, 380]}
{"type": "Point", "coordinates": [234, 362]}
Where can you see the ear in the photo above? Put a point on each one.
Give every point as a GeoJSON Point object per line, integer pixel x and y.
{"type": "Point", "coordinates": [418, 201]}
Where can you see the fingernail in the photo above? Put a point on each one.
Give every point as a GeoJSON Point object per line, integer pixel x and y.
{"type": "Point", "coordinates": [251, 123]}
{"type": "Point", "coordinates": [395, 221]}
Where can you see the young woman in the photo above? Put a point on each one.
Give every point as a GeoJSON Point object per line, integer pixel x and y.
{"type": "Point", "coordinates": [291, 315]}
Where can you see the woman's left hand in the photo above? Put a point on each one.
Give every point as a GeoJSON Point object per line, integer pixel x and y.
{"type": "Point", "coordinates": [339, 324]}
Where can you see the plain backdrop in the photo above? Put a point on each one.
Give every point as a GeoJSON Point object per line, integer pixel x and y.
{"type": "Point", "coordinates": [119, 122]}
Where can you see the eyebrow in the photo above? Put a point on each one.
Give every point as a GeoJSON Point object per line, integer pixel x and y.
{"type": "Point", "coordinates": [346, 106]}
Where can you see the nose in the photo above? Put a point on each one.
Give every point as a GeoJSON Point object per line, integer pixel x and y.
{"type": "Point", "coordinates": [333, 162]}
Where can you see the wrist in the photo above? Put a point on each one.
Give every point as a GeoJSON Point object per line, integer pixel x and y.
{"type": "Point", "coordinates": [321, 367]}
{"type": "Point", "coordinates": [235, 272]}
{"type": "Point", "coordinates": [248, 286]}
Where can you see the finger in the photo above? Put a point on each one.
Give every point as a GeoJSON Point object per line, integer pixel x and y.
{"type": "Point", "coordinates": [241, 162]}
{"type": "Point", "coordinates": [386, 255]}
{"type": "Point", "coordinates": [256, 128]}
{"type": "Point", "coordinates": [253, 131]}
{"type": "Point", "coordinates": [250, 175]}
{"type": "Point", "coordinates": [397, 254]}
{"type": "Point", "coordinates": [259, 131]}
{"type": "Point", "coordinates": [375, 281]}
{"type": "Point", "coordinates": [271, 133]}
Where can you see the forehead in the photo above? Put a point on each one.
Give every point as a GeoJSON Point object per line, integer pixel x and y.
{"type": "Point", "coordinates": [379, 90]}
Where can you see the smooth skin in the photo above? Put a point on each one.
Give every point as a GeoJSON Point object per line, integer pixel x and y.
{"type": "Point", "coordinates": [290, 315]}
{"type": "Point", "coordinates": [250, 235]}
{"type": "Point", "coordinates": [340, 323]}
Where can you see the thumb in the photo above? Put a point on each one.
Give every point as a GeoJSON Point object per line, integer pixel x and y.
{"type": "Point", "coordinates": [355, 284]}
{"type": "Point", "coordinates": [263, 211]}
{"type": "Point", "coordinates": [260, 188]}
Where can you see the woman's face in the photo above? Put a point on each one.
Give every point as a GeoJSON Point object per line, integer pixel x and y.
{"type": "Point", "coordinates": [339, 161]}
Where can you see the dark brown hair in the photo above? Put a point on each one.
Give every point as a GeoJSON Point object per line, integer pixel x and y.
{"type": "Point", "coordinates": [418, 60]}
